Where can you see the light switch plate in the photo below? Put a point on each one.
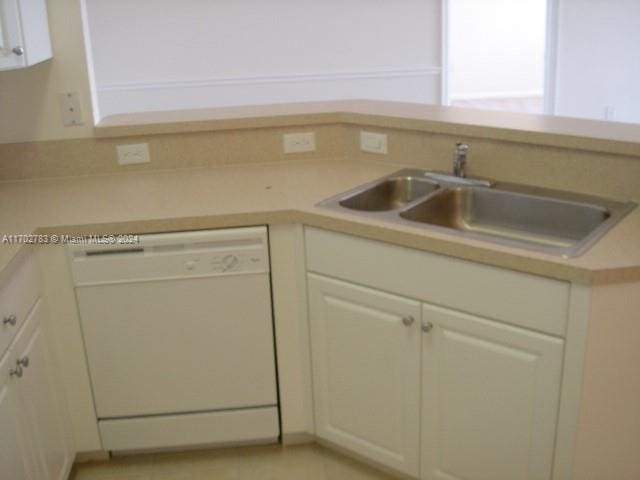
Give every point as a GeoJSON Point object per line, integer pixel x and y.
{"type": "Point", "coordinates": [610, 113]}
{"type": "Point", "coordinates": [132, 154]}
{"type": "Point", "coordinates": [299, 142]}
{"type": "Point", "coordinates": [70, 109]}
{"type": "Point", "coordinates": [373, 142]}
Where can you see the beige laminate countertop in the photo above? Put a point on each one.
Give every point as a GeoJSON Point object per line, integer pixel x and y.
{"type": "Point", "coordinates": [272, 194]}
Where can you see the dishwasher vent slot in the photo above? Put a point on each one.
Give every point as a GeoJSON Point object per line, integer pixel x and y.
{"type": "Point", "coordinates": [97, 253]}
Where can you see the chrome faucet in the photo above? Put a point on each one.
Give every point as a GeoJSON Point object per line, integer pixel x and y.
{"type": "Point", "coordinates": [460, 160]}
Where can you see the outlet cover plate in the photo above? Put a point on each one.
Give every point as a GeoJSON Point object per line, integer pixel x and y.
{"type": "Point", "coordinates": [132, 154]}
{"type": "Point", "coordinates": [70, 109]}
{"type": "Point", "coordinates": [373, 142]}
{"type": "Point", "coordinates": [299, 142]}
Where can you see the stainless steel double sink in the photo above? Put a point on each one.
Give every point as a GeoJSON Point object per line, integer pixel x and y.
{"type": "Point", "coordinates": [549, 221]}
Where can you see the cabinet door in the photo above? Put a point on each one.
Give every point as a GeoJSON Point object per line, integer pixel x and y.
{"type": "Point", "coordinates": [38, 397]}
{"type": "Point", "coordinates": [14, 460]}
{"type": "Point", "coordinates": [10, 35]}
{"type": "Point", "coordinates": [489, 400]}
{"type": "Point", "coordinates": [366, 359]}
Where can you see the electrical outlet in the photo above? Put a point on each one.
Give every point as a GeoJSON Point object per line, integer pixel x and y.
{"type": "Point", "coordinates": [299, 142]}
{"type": "Point", "coordinates": [132, 154]}
{"type": "Point", "coordinates": [70, 109]}
{"type": "Point", "coordinates": [609, 112]}
{"type": "Point", "coordinates": [373, 142]}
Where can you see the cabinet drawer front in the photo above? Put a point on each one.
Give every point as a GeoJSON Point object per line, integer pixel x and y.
{"type": "Point", "coordinates": [17, 297]}
{"type": "Point", "coordinates": [522, 299]}
{"type": "Point", "coordinates": [489, 399]}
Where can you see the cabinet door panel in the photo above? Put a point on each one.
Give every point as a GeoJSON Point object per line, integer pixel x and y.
{"type": "Point", "coordinates": [38, 397]}
{"type": "Point", "coordinates": [14, 462]}
{"type": "Point", "coordinates": [366, 371]}
{"type": "Point", "coordinates": [11, 32]}
{"type": "Point", "coordinates": [490, 399]}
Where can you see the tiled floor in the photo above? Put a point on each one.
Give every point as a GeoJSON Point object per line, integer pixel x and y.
{"type": "Point", "coordinates": [305, 462]}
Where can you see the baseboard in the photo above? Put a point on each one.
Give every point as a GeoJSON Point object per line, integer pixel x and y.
{"type": "Point", "coordinates": [93, 456]}
{"type": "Point", "coordinates": [297, 438]}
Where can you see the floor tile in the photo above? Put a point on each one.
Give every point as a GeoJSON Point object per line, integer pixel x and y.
{"type": "Point", "coordinates": [138, 467]}
{"type": "Point", "coordinates": [208, 464]}
{"type": "Point", "coordinates": [272, 462]}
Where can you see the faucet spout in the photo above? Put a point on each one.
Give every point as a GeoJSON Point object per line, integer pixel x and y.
{"type": "Point", "coordinates": [460, 160]}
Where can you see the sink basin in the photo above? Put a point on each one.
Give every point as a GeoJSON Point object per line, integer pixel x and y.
{"type": "Point", "coordinates": [509, 215]}
{"type": "Point", "coordinates": [549, 221]}
{"type": "Point", "coordinates": [389, 194]}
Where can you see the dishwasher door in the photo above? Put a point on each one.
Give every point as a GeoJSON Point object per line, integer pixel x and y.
{"type": "Point", "coordinates": [178, 324]}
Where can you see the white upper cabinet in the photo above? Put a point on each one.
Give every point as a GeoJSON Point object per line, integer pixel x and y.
{"type": "Point", "coordinates": [366, 371]}
{"type": "Point", "coordinates": [24, 33]}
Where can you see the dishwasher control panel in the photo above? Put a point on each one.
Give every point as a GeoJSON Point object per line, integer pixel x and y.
{"type": "Point", "coordinates": [227, 262]}
{"type": "Point", "coordinates": [173, 256]}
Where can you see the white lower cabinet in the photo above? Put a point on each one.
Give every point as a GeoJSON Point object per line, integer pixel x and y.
{"type": "Point", "coordinates": [14, 457]}
{"type": "Point", "coordinates": [490, 397]}
{"type": "Point", "coordinates": [39, 399]}
{"type": "Point", "coordinates": [366, 371]}
{"type": "Point", "coordinates": [432, 392]}
{"type": "Point", "coordinates": [33, 437]}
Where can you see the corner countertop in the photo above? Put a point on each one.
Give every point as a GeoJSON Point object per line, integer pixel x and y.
{"type": "Point", "coordinates": [277, 193]}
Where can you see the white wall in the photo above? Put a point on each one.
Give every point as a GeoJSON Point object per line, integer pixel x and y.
{"type": "Point", "coordinates": [159, 54]}
{"type": "Point", "coordinates": [496, 48]}
{"type": "Point", "coordinates": [598, 59]}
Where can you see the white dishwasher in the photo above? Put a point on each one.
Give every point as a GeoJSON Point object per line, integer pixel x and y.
{"type": "Point", "coordinates": [179, 338]}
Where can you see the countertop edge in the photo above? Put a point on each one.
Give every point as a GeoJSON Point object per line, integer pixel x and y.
{"type": "Point", "coordinates": [483, 255]}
